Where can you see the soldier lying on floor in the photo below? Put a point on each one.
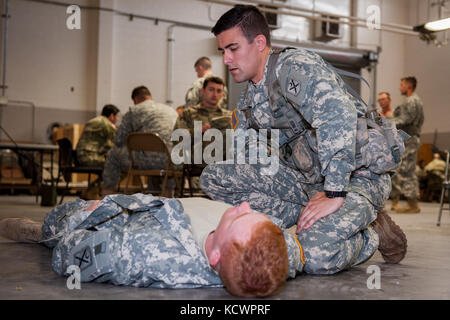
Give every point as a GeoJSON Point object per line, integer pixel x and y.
{"type": "Point", "coordinates": [146, 241]}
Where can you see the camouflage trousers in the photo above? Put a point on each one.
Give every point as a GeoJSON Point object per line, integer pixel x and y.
{"type": "Point", "coordinates": [405, 181]}
{"type": "Point", "coordinates": [343, 239]}
{"type": "Point", "coordinates": [88, 158]}
{"type": "Point", "coordinates": [118, 162]}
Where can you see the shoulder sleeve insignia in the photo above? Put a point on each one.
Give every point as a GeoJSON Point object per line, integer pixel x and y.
{"type": "Point", "coordinates": [234, 119]}
{"type": "Point", "coordinates": [293, 86]}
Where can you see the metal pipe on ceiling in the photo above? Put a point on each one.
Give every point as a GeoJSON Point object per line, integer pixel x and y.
{"type": "Point", "coordinates": [5, 16]}
{"type": "Point", "coordinates": [291, 7]}
{"type": "Point", "coordinates": [387, 27]}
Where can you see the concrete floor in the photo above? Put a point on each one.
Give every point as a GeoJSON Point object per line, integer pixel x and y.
{"type": "Point", "coordinates": [26, 273]}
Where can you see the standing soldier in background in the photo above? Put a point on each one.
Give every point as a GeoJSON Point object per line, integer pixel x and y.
{"type": "Point", "coordinates": [408, 117]}
{"type": "Point", "coordinates": [384, 100]}
{"type": "Point", "coordinates": [145, 116]}
{"type": "Point", "coordinates": [193, 96]}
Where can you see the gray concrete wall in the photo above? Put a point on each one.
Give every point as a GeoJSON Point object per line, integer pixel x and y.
{"type": "Point", "coordinates": [17, 121]}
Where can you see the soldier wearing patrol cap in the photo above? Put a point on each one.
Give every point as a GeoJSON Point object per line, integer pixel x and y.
{"type": "Point", "coordinates": [332, 179]}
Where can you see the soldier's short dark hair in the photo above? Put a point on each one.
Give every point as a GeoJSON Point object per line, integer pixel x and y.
{"type": "Point", "coordinates": [140, 93]}
{"type": "Point", "coordinates": [248, 18]}
{"type": "Point", "coordinates": [214, 79]}
{"type": "Point", "coordinates": [109, 109]}
{"type": "Point", "coordinates": [412, 81]}
{"type": "Point", "coordinates": [204, 62]}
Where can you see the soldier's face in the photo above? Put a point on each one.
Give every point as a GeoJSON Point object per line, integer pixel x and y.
{"type": "Point", "coordinates": [200, 71]}
{"type": "Point", "coordinates": [238, 55]}
{"type": "Point", "coordinates": [212, 94]}
{"type": "Point", "coordinates": [114, 118]}
{"type": "Point", "coordinates": [404, 87]}
{"type": "Point", "coordinates": [384, 101]}
{"type": "Point", "coordinates": [237, 224]}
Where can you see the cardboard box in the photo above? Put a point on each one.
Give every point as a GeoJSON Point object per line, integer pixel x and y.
{"type": "Point", "coordinates": [72, 132]}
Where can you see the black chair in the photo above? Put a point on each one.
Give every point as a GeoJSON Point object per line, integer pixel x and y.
{"type": "Point", "coordinates": [445, 187]}
{"type": "Point", "coordinates": [68, 164]}
{"type": "Point", "coordinates": [189, 171]}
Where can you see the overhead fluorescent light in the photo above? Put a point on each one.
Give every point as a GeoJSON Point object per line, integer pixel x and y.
{"type": "Point", "coordinates": [438, 25]}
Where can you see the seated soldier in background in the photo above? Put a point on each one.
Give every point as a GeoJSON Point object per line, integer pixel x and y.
{"type": "Point", "coordinates": [145, 116]}
{"type": "Point", "coordinates": [203, 68]}
{"type": "Point", "coordinates": [98, 137]}
{"type": "Point", "coordinates": [96, 140]}
{"type": "Point", "coordinates": [208, 111]}
{"type": "Point", "coordinates": [435, 174]}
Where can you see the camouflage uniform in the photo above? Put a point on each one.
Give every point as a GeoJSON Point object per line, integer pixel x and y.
{"type": "Point", "coordinates": [434, 175]}
{"type": "Point", "coordinates": [326, 162]}
{"type": "Point", "coordinates": [95, 141]}
{"type": "Point", "coordinates": [137, 240]}
{"type": "Point", "coordinates": [193, 96]}
{"type": "Point", "coordinates": [218, 118]}
{"type": "Point", "coordinates": [148, 116]}
{"type": "Point", "coordinates": [409, 117]}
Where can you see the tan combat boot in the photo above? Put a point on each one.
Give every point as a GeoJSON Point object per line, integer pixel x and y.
{"type": "Point", "coordinates": [392, 240]}
{"type": "Point", "coordinates": [395, 201]}
{"type": "Point", "coordinates": [411, 207]}
{"type": "Point", "coordinates": [21, 230]}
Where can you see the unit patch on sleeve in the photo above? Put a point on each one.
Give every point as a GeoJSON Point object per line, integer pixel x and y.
{"type": "Point", "coordinates": [293, 86]}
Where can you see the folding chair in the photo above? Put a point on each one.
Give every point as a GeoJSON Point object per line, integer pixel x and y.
{"type": "Point", "coordinates": [67, 165]}
{"type": "Point", "coordinates": [445, 187]}
{"type": "Point", "coordinates": [149, 142]}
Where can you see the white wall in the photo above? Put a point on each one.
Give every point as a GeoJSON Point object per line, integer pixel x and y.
{"type": "Point", "coordinates": [140, 48]}
{"type": "Point", "coordinates": [112, 54]}
{"type": "Point", "coordinates": [45, 59]}
{"type": "Point", "coordinates": [50, 66]}
{"type": "Point", "coordinates": [431, 66]}
{"type": "Point", "coordinates": [391, 64]}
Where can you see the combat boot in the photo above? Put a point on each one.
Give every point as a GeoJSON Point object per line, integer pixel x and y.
{"type": "Point", "coordinates": [395, 201]}
{"type": "Point", "coordinates": [392, 240]}
{"type": "Point", "coordinates": [21, 230]}
{"type": "Point", "coordinates": [411, 207]}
